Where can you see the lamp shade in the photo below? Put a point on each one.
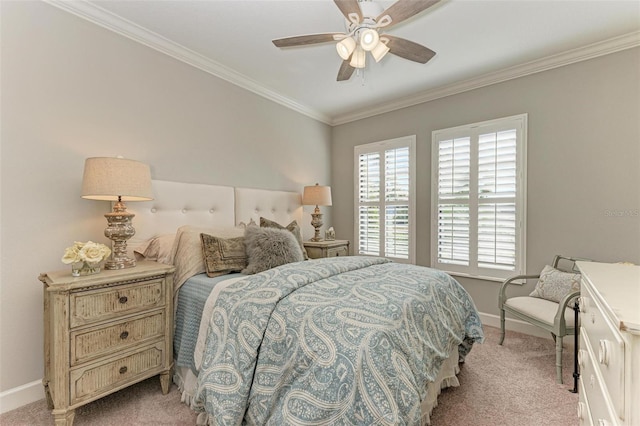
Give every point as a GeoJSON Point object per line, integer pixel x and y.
{"type": "Point", "coordinates": [379, 51]}
{"type": "Point", "coordinates": [345, 47]}
{"type": "Point", "coordinates": [110, 178]}
{"type": "Point", "coordinates": [369, 39]}
{"type": "Point", "coordinates": [316, 195]}
{"type": "Point", "coordinates": [358, 59]}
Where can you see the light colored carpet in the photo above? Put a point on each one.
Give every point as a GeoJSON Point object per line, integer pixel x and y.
{"type": "Point", "coordinates": [513, 384]}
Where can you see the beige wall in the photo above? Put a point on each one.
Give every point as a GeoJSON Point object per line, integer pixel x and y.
{"type": "Point", "coordinates": [72, 90]}
{"type": "Point", "coordinates": [583, 160]}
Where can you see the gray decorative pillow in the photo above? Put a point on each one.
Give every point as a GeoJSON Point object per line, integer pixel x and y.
{"type": "Point", "coordinates": [555, 284]}
{"type": "Point", "coordinates": [223, 255]}
{"type": "Point", "coordinates": [270, 247]}
{"type": "Point", "coordinates": [293, 227]}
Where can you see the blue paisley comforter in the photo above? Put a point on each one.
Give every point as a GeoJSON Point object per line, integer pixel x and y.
{"type": "Point", "coordinates": [341, 341]}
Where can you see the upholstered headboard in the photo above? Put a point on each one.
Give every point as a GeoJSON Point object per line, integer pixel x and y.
{"type": "Point", "coordinates": [176, 204]}
{"type": "Point", "coordinates": [280, 206]}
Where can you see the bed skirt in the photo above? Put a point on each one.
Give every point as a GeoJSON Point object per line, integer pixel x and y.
{"type": "Point", "coordinates": [447, 377]}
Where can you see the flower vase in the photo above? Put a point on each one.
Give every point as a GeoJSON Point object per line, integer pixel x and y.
{"type": "Point", "coordinates": [79, 269]}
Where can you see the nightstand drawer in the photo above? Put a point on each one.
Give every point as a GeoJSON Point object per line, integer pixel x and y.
{"type": "Point", "coordinates": [92, 306]}
{"type": "Point", "coordinates": [94, 380]}
{"type": "Point", "coordinates": [94, 342]}
{"type": "Point", "coordinates": [327, 248]}
{"type": "Point", "coordinates": [338, 251]}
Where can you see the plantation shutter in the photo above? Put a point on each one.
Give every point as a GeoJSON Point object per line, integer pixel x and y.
{"type": "Point", "coordinates": [384, 193]}
{"type": "Point", "coordinates": [396, 220]}
{"type": "Point", "coordinates": [369, 199]}
{"type": "Point", "coordinates": [453, 200]}
{"type": "Point", "coordinates": [478, 198]}
{"type": "Point", "coordinates": [497, 200]}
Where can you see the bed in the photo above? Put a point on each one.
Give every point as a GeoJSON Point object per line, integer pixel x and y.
{"type": "Point", "coordinates": [350, 340]}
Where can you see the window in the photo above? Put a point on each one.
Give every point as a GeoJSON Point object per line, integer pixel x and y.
{"type": "Point", "coordinates": [478, 198]}
{"type": "Point", "coordinates": [385, 194]}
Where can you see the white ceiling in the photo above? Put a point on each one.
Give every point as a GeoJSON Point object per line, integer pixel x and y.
{"type": "Point", "coordinates": [477, 42]}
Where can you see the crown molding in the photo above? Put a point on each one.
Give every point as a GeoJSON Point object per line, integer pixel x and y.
{"type": "Point", "coordinates": [584, 53]}
{"type": "Point", "coordinates": [119, 25]}
{"type": "Point", "coordinates": [115, 23]}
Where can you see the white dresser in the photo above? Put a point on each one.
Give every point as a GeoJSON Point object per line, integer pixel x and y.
{"type": "Point", "coordinates": [609, 354]}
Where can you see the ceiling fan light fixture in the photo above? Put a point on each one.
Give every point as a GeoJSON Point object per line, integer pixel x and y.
{"type": "Point", "coordinates": [379, 51]}
{"type": "Point", "coordinates": [366, 23]}
{"type": "Point", "coordinates": [358, 59]}
{"type": "Point", "coordinates": [346, 47]}
{"type": "Point", "coordinates": [369, 39]}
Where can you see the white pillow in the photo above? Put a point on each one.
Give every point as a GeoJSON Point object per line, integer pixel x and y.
{"type": "Point", "coordinates": [555, 284]}
{"type": "Point", "coordinates": [187, 250]}
{"type": "Point", "coordinates": [158, 249]}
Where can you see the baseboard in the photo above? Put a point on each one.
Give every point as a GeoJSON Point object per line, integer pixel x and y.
{"type": "Point", "coordinates": [21, 395]}
{"type": "Point", "coordinates": [31, 392]}
{"type": "Point", "coordinates": [511, 324]}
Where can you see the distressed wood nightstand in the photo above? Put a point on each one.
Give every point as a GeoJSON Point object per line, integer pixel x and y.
{"type": "Point", "coordinates": [326, 248]}
{"type": "Point", "coordinates": [104, 332]}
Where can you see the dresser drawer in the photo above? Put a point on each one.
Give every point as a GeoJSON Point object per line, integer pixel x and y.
{"type": "Point", "coordinates": [584, 411]}
{"type": "Point", "coordinates": [608, 349]}
{"type": "Point", "coordinates": [94, 380]}
{"type": "Point", "coordinates": [89, 344]}
{"type": "Point", "coordinates": [338, 251]}
{"type": "Point", "coordinates": [600, 411]}
{"type": "Point", "coordinates": [93, 306]}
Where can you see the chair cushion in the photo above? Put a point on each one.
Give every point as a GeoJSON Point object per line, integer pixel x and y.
{"type": "Point", "coordinates": [540, 309]}
{"type": "Point", "coordinates": [555, 284]}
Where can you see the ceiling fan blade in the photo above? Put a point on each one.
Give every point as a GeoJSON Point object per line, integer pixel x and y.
{"type": "Point", "coordinates": [350, 9]}
{"type": "Point", "coordinates": [345, 71]}
{"type": "Point", "coordinates": [307, 39]}
{"type": "Point", "coordinates": [401, 10]}
{"type": "Point", "coordinates": [408, 49]}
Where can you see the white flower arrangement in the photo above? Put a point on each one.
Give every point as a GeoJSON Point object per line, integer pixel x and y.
{"type": "Point", "coordinates": [85, 257]}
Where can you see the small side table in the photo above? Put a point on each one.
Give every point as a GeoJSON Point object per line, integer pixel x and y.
{"type": "Point", "coordinates": [326, 248]}
{"type": "Point", "coordinates": [104, 332]}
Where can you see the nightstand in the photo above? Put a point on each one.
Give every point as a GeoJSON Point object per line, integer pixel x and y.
{"type": "Point", "coordinates": [104, 332]}
{"type": "Point", "coordinates": [326, 248]}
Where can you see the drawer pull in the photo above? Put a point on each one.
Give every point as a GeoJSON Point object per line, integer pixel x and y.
{"type": "Point", "coordinates": [124, 335]}
{"type": "Point", "coordinates": [584, 304]}
{"type": "Point", "coordinates": [603, 352]}
{"type": "Point", "coordinates": [582, 357]}
{"type": "Point", "coordinates": [123, 370]}
{"type": "Point", "coordinates": [123, 299]}
{"type": "Point", "coordinates": [581, 410]}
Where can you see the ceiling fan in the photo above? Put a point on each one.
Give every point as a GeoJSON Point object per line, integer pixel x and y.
{"type": "Point", "coordinates": [365, 21]}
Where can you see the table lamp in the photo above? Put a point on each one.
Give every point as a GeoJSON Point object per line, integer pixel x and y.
{"type": "Point", "coordinates": [117, 180]}
{"type": "Point", "coordinates": [319, 196]}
